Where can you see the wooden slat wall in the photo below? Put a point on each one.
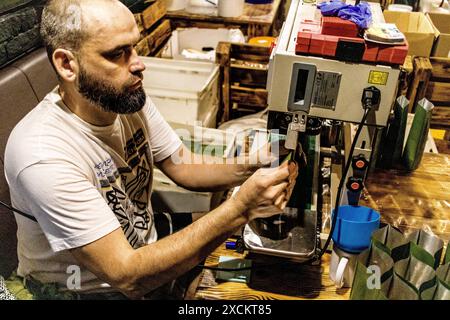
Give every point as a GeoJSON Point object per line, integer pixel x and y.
{"type": "Point", "coordinates": [249, 77]}
{"type": "Point", "coordinates": [422, 74]}
{"type": "Point", "coordinates": [159, 35]}
{"type": "Point", "coordinates": [441, 117]}
{"type": "Point", "coordinates": [244, 69]}
{"type": "Point", "coordinates": [249, 52]}
{"type": "Point", "coordinates": [441, 69]}
{"type": "Point", "coordinates": [154, 30]}
{"type": "Point", "coordinates": [438, 92]}
{"type": "Point", "coordinates": [249, 97]}
{"type": "Point", "coordinates": [153, 13]}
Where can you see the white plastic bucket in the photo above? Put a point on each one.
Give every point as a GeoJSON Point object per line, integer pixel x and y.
{"type": "Point", "coordinates": [230, 8]}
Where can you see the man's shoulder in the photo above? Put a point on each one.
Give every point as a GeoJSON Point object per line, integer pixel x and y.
{"type": "Point", "coordinates": [41, 120]}
{"type": "Point", "coordinates": [35, 136]}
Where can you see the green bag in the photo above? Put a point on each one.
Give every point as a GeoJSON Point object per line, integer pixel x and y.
{"type": "Point", "coordinates": [432, 247]}
{"type": "Point", "coordinates": [392, 149]}
{"type": "Point", "coordinates": [418, 135]}
{"type": "Point", "coordinates": [365, 286]}
{"type": "Point", "coordinates": [441, 289]}
{"type": "Point", "coordinates": [408, 267]}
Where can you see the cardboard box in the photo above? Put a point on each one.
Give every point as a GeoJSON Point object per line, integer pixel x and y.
{"type": "Point", "coordinates": [417, 29]}
{"type": "Point", "coordinates": [441, 25]}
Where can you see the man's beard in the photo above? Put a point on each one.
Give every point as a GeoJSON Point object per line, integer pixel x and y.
{"type": "Point", "coordinates": [109, 98]}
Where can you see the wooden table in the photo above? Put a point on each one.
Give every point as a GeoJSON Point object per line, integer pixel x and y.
{"type": "Point", "coordinates": [413, 200]}
{"type": "Point", "coordinates": [256, 20]}
{"type": "Point", "coordinates": [420, 199]}
{"type": "Point", "coordinates": [279, 281]}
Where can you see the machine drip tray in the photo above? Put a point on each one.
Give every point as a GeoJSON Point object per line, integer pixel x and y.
{"type": "Point", "coordinates": [298, 243]}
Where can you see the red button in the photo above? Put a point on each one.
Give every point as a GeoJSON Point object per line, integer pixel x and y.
{"type": "Point", "coordinates": [355, 185]}
{"type": "Point", "coordinates": [360, 164]}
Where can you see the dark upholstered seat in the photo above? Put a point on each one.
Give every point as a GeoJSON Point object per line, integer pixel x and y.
{"type": "Point", "coordinates": [22, 86]}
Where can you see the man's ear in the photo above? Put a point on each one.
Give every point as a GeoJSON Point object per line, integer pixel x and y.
{"type": "Point", "coordinates": [66, 64]}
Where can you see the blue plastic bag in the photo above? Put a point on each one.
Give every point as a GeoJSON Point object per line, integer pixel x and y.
{"type": "Point", "coordinates": [359, 14]}
{"type": "Point", "coordinates": [331, 8]}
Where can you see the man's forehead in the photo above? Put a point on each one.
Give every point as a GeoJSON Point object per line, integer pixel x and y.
{"type": "Point", "coordinates": [109, 22]}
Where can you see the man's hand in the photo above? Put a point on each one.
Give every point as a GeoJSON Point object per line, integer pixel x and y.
{"type": "Point", "coordinates": [268, 190]}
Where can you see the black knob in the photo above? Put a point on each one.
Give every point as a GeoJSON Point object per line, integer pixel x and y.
{"type": "Point", "coordinates": [359, 162]}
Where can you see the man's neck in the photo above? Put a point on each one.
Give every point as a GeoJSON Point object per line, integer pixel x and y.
{"type": "Point", "coordinates": [84, 109]}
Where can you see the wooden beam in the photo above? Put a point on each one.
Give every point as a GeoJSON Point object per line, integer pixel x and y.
{"type": "Point", "coordinates": [440, 118]}
{"type": "Point", "coordinates": [153, 13]}
{"type": "Point", "coordinates": [249, 77]}
{"type": "Point", "coordinates": [418, 87]}
{"type": "Point", "coordinates": [142, 48]}
{"type": "Point", "coordinates": [438, 92]}
{"type": "Point", "coordinates": [223, 59]}
{"type": "Point", "coordinates": [250, 97]}
{"type": "Point", "coordinates": [441, 69]}
{"type": "Point", "coordinates": [159, 35]}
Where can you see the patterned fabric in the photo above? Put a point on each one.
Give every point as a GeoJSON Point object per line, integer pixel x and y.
{"type": "Point", "coordinates": [4, 292]}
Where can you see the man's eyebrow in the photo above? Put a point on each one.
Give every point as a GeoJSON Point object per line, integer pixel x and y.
{"type": "Point", "coordinates": [121, 47]}
{"type": "Point", "coordinates": [117, 48]}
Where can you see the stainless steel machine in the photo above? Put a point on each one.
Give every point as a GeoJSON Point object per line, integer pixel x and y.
{"type": "Point", "coordinates": [304, 90]}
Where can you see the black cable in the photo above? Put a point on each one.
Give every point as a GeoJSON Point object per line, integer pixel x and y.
{"type": "Point", "coordinates": [26, 215]}
{"type": "Point", "coordinates": [342, 181]}
{"type": "Point", "coordinates": [317, 257]}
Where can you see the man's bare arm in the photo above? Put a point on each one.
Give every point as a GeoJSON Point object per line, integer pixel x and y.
{"type": "Point", "coordinates": [206, 173]}
{"type": "Point", "coordinates": [136, 272]}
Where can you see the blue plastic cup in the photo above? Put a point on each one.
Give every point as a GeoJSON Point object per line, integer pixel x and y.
{"type": "Point", "coordinates": [354, 227]}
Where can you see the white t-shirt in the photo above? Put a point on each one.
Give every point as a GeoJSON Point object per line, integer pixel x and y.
{"type": "Point", "coordinates": [81, 182]}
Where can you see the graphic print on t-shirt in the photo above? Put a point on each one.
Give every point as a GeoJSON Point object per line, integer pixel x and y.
{"type": "Point", "coordinates": [127, 189]}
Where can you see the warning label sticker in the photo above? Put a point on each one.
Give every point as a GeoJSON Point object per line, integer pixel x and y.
{"type": "Point", "coordinates": [326, 89]}
{"type": "Point", "coordinates": [378, 77]}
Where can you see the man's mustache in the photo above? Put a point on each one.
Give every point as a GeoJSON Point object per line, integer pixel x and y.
{"type": "Point", "coordinates": [135, 78]}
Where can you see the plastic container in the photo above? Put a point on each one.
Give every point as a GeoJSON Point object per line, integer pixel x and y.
{"type": "Point", "coordinates": [202, 41]}
{"type": "Point", "coordinates": [354, 227]}
{"type": "Point", "coordinates": [183, 91]}
{"type": "Point", "coordinates": [262, 41]}
{"type": "Point", "coordinates": [230, 8]}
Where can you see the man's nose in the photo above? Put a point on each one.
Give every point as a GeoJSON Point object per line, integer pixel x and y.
{"type": "Point", "coordinates": [136, 65]}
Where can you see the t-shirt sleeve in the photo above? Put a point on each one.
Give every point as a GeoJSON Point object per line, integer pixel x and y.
{"type": "Point", "coordinates": [163, 140]}
{"type": "Point", "coordinates": [69, 208]}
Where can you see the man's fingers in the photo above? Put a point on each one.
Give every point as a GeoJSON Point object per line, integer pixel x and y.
{"type": "Point", "coordinates": [278, 175]}
{"type": "Point", "coordinates": [274, 191]}
{"type": "Point", "coordinates": [280, 199]}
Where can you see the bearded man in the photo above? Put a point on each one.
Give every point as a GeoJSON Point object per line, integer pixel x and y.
{"type": "Point", "coordinates": [80, 163]}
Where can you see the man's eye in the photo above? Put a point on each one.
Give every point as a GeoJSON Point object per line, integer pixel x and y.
{"type": "Point", "coordinates": [115, 54]}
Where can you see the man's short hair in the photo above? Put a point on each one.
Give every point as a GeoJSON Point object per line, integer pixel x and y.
{"type": "Point", "coordinates": [62, 26]}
